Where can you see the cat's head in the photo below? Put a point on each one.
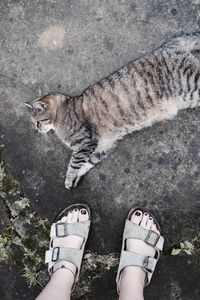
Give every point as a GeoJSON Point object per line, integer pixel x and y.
{"type": "Point", "coordinates": [43, 111]}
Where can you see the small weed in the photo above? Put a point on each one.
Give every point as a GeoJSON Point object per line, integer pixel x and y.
{"type": "Point", "coordinates": [184, 247]}
{"type": "Point", "coordinates": [2, 170]}
{"type": "Point", "coordinates": [39, 222]}
{"type": "Point", "coordinates": [31, 276]}
{"type": "Point", "coordinates": [2, 146]}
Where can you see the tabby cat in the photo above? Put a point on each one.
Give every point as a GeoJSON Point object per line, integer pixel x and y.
{"type": "Point", "coordinates": [150, 89]}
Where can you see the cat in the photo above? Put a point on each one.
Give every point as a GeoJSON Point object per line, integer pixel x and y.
{"type": "Point", "coordinates": [150, 89]}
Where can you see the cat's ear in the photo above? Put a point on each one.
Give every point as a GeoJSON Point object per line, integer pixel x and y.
{"type": "Point", "coordinates": [48, 102]}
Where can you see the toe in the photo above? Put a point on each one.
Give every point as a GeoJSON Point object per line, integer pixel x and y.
{"type": "Point", "coordinates": [154, 228]}
{"type": "Point", "coordinates": [136, 217]}
{"type": "Point", "coordinates": [75, 214]}
{"type": "Point", "coordinates": [69, 216]}
{"type": "Point", "coordinates": [144, 220]}
{"type": "Point", "coordinates": [149, 222]}
{"type": "Point", "coordinates": [83, 215]}
{"type": "Point", "coordinates": [64, 219]}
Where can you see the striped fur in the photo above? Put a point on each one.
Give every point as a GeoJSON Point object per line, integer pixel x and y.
{"type": "Point", "coordinates": [150, 89]}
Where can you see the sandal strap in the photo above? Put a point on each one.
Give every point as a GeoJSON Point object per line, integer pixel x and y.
{"type": "Point", "coordinates": [128, 259]}
{"type": "Point", "coordinates": [74, 256]}
{"type": "Point", "coordinates": [150, 237]}
{"type": "Point", "coordinates": [64, 267]}
{"type": "Point", "coordinates": [64, 229]}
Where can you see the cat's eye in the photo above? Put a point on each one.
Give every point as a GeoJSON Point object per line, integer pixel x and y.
{"type": "Point", "coordinates": [45, 120]}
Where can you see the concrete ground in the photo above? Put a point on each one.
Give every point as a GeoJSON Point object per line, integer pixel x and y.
{"type": "Point", "coordinates": [65, 45]}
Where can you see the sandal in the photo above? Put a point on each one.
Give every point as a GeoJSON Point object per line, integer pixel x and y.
{"type": "Point", "coordinates": [130, 258]}
{"type": "Point", "coordinates": [62, 229]}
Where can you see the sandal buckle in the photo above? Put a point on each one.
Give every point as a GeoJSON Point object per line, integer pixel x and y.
{"type": "Point", "coordinates": [61, 229]}
{"type": "Point", "coordinates": [55, 254]}
{"type": "Point", "coordinates": [146, 263]}
{"type": "Point", "coordinates": [152, 238]}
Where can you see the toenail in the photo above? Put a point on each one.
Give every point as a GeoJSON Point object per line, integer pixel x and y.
{"type": "Point", "coordinates": [145, 214]}
{"type": "Point", "coordinates": [137, 213]}
{"type": "Point", "coordinates": [150, 218]}
{"type": "Point", "coordinates": [83, 212]}
{"type": "Point", "coordinates": [71, 211]}
{"type": "Point", "coordinates": [76, 209]}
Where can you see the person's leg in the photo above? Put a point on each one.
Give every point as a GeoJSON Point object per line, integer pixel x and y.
{"type": "Point", "coordinates": [132, 278]}
{"type": "Point", "coordinates": [61, 282]}
{"type": "Point", "coordinates": [59, 287]}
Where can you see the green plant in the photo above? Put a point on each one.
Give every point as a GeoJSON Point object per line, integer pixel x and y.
{"type": "Point", "coordinates": [31, 276]}
{"type": "Point", "coordinates": [184, 247]}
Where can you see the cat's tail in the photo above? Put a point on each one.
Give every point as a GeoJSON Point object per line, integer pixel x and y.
{"type": "Point", "coordinates": [187, 42]}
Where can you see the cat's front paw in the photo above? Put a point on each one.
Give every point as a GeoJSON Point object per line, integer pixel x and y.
{"type": "Point", "coordinates": [69, 183]}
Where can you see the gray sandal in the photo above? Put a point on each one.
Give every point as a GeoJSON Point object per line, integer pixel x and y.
{"type": "Point", "coordinates": [59, 230]}
{"type": "Point", "coordinates": [151, 238]}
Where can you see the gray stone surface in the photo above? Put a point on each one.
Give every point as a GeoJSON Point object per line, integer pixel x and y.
{"type": "Point", "coordinates": [64, 45]}
{"type": "Point", "coordinates": [165, 284]}
{"type": "Point", "coordinates": [13, 285]}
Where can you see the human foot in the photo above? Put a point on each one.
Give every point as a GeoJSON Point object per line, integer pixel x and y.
{"type": "Point", "coordinates": [140, 251]}
{"type": "Point", "coordinates": [144, 220]}
{"type": "Point", "coordinates": [70, 241]}
{"type": "Point", "coordinates": [68, 238]}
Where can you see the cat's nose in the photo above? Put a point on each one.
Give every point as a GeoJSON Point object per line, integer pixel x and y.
{"type": "Point", "coordinates": [38, 126]}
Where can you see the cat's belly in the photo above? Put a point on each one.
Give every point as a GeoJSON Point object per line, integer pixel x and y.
{"type": "Point", "coordinates": [166, 109]}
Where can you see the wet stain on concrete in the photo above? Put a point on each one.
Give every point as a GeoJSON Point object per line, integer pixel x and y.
{"type": "Point", "coordinates": [52, 38]}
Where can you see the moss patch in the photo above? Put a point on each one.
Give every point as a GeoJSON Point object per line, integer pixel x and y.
{"type": "Point", "coordinates": [26, 238]}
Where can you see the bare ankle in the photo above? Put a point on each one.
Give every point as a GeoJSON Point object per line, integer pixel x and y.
{"type": "Point", "coordinates": [135, 272]}
{"type": "Point", "coordinates": [63, 275]}
{"type": "Point", "coordinates": [132, 278]}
